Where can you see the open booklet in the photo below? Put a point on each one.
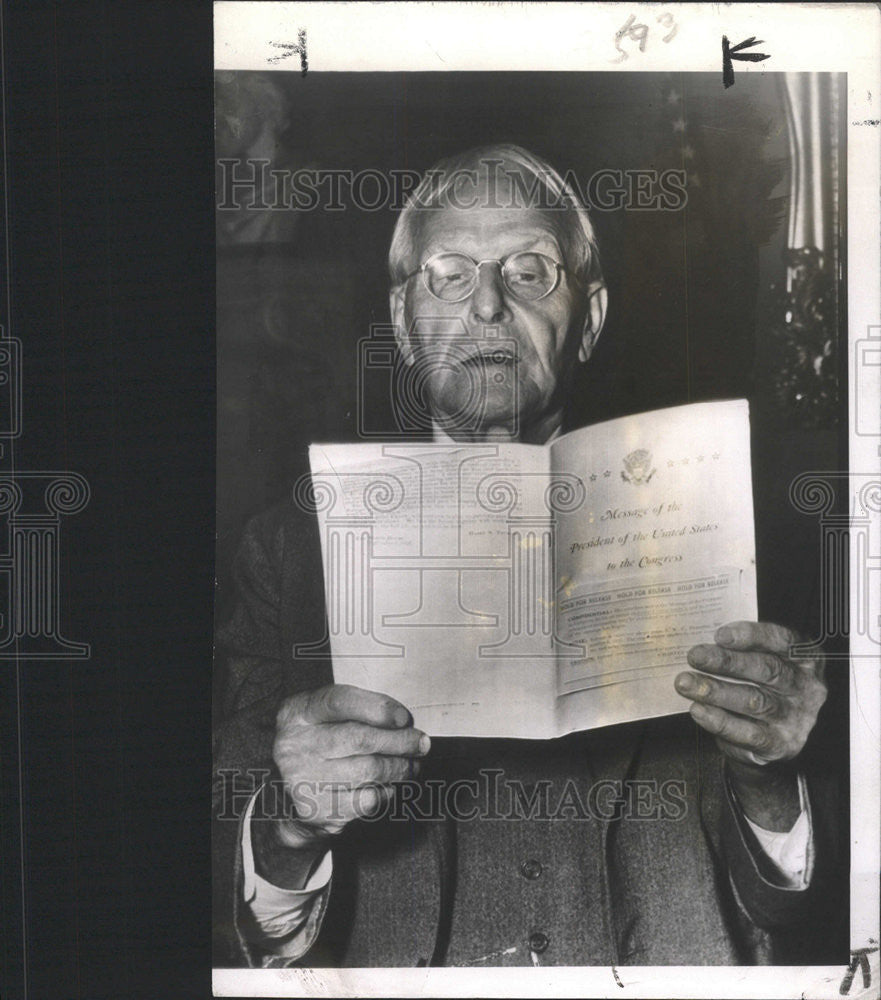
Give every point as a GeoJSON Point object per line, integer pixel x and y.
{"type": "Point", "coordinates": [531, 591]}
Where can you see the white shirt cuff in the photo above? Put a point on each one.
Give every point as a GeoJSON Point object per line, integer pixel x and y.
{"type": "Point", "coordinates": [279, 912]}
{"type": "Point", "coordinates": [791, 852]}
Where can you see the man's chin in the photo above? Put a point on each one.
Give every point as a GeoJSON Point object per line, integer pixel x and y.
{"type": "Point", "coordinates": [496, 409]}
{"type": "Point", "coordinates": [476, 421]}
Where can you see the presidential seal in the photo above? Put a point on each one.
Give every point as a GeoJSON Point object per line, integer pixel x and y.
{"type": "Point", "coordinates": [638, 467]}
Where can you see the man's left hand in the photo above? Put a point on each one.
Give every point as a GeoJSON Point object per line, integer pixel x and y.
{"type": "Point", "coordinates": [770, 716]}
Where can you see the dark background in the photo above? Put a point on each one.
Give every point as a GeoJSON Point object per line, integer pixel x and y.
{"type": "Point", "coordinates": [106, 769]}
{"type": "Point", "coordinates": [111, 288]}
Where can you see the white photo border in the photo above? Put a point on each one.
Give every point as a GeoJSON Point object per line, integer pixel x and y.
{"type": "Point", "coordinates": [450, 37]}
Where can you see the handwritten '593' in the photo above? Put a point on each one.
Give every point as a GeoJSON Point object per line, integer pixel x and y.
{"type": "Point", "coordinates": [639, 33]}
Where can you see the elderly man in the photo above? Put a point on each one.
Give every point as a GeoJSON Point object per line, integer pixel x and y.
{"type": "Point", "coordinates": [494, 243]}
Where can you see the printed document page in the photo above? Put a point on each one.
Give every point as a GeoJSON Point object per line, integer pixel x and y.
{"type": "Point", "coordinates": [660, 555]}
{"type": "Point", "coordinates": [438, 578]}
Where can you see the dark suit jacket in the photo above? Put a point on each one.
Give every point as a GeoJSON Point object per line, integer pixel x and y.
{"type": "Point", "coordinates": [614, 889]}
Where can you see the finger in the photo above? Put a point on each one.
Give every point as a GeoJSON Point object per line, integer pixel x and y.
{"type": "Point", "coordinates": [747, 734]}
{"type": "Point", "coordinates": [341, 703]}
{"type": "Point", "coordinates": [371, 769]}
{"type": "Point", "coordinates": [764, 668]}
{"type": "Point", "coordinates": [349, 739]}
{"type": "Point", "coordinates": [758, 636]}
{"type": "Point", "coordinates": [744, 699]}
{"type": "Point", "coordinates": [333, 805]}
{"type": "Point", "coordinates": [369, 801]}
{"type": "Point", "coordinates": [749, 756]}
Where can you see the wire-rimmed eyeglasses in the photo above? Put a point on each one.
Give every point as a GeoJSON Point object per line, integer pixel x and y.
{"type": "Point", "coordinates": [528, 275]}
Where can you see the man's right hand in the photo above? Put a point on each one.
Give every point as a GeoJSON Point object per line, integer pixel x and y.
{"type": "Point", "coordinates": [338, 750]}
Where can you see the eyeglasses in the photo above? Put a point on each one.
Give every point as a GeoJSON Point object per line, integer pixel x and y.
{"type": "Point", "coordinates": [527, 275]}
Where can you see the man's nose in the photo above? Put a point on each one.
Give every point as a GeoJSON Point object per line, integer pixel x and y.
{"type": "Point", "coordinates": [488, 303]}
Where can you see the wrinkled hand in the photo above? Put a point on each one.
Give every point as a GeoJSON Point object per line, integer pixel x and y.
{"type": "Point", "coordinates": [338, 750]}
{"type": "Point", "coordinates": [769, 718]}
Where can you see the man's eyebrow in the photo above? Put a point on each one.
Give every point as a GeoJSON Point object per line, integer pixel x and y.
{"type": "Point", "coordinates": [527, 243]}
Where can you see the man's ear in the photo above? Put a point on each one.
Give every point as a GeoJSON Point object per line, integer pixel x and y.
{"type": "Point", "coordinates": [396, 300]}
{"type": "Point", "coordinates": [597, 301]}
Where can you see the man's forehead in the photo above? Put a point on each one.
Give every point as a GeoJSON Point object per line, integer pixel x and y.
{"type": "Point", "coordinates": [485, 227]}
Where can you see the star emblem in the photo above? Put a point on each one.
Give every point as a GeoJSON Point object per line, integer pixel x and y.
{"type": "Point", "coordinates": [593, 477]}
{"type": "Point", "coordinates": [679, 125]}
{"type": "Point", "coordinates": [673, 97]}
{"type": "Point", "coordinates": [606, 474]}
{"type": "Point", "coordinates": [687, 152]}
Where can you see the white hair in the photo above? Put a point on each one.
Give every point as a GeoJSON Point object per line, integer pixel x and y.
{"type": "Point", "coordinates": [559, 198]}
